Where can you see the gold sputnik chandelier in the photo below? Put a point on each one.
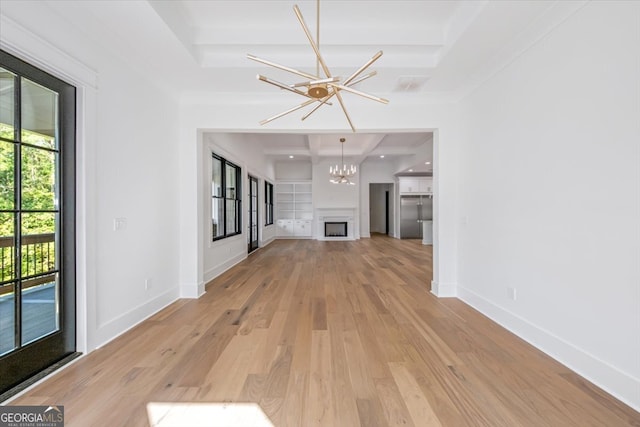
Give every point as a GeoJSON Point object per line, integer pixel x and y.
{"type": "Point", "coordinates": [319, 89]}
{"type": "Point", "coordinates": [342, 174]}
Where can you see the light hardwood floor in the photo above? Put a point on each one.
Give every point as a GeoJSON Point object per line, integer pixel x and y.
{"type": "Point", "coordinates": [330, 334]}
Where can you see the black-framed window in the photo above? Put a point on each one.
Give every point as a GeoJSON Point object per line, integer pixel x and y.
{"type": "Point", "coordinates": [226, 198]}
{"type": "Point", "coordinates": [268, 203]}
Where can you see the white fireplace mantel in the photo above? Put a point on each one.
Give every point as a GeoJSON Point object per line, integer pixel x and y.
{"type": "Point", "coordinates": [348, 213]}
{"type": "Point", "coordinates": [336, 215]}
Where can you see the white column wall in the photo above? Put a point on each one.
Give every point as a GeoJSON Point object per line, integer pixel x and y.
{"type": "Point", "coordinates": [549, 196]}
{"type": "Point", "coordinates": [239, 149]}
{"type": "Point", "coordinates": [127, 133]}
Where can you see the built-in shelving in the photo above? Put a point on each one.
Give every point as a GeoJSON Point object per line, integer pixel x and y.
{"type": "Point", "coordinates": [293, 200]}
{"type": "Point", "coordinates": [294, 206]}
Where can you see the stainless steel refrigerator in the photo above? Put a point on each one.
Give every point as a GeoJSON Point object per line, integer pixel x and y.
{"type": "Point", "coordinates": [414, 210]}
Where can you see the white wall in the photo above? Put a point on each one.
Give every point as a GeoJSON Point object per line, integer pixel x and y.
{"type": "Point", "coordinates": [126, 168]}
{"type": "Point", "coordinates": [239, 149]}
{"type": "Point", "coordinates": [549, 196]}
{"type": "Point", "coordinates": [293, 171]}
{"type": "Point", "coordinates": [329, 195]}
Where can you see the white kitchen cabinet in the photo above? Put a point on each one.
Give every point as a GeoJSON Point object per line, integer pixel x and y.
{"type": "Point", "coordinates": [425, 185]}
{"type": "Point", "coordinates": [408, 185]}
{"type": "Point", "coordinates": [416, 185]}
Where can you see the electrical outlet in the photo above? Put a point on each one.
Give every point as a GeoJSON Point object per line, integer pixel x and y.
{"type": "Point", "coordinates": [147, 284]}
{"type": "Point", "coordinates": [511, 292]}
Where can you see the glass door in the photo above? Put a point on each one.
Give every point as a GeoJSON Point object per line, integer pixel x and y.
{"type": "Point", "coordinates": [253, 213]}
{"type": "Point", "coordinates": [37, 224]}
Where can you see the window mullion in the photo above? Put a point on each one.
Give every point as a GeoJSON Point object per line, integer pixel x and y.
{"type": "Point", "coordinates": [223, 168]}
{"type": "Point", "coordinates": [17, 220]}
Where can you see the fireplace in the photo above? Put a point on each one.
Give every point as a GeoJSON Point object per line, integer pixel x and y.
{"type": "Point", "coordinates": [336, 224]}
{"type": "Point", "coordinates": [335, 229]}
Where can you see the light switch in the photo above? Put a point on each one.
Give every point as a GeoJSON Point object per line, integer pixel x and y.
{"type": "Point", "coordinates": [119, 224]}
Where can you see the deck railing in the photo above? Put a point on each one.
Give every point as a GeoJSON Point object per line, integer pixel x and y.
{"type": "Point", "coordinates": [38, 255]}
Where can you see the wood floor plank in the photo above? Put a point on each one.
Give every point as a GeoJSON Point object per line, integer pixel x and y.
{"type": "Point", "coordinates": [395, 409]}
{"type": "Point", "coordinates": [355, 356]}
{"type": "Point", "coordinates": [345, 402]}
{"type": "Point", "coordinates": [271, 343]}
{"type": "Point", "coordinates": [320, 406]}
{"type": "Point", "coordinates": [374, 356]}
{"type": "Point", "coordinates": [278, 376]}
{"type": "Point", "coordinates": [331, 334]}
{"type": "Point", "coordinates": [293, 411]}
{"type": "Point", "coordinates": [421, 411]}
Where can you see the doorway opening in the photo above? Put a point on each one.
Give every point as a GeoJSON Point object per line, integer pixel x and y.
{"type": "Point", "coordinates": [381, 218]}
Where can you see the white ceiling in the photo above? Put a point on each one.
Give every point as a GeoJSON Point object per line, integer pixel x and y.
{"type": "Point", "coordinates": [221, 33]}
{"type": "Point", "coordinates": [393, 147]}
{"type": "Point", "coordinates": [434, 51]}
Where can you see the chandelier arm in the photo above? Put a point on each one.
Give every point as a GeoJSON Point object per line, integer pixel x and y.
{"type": "Point", "coordinates": [345, 110]}
{"type": "Point", "coordinates": [364, 67]}
{"type": "Point", "coordinates": [317, 82]}
{"type": "Point", "coordinates": [311, 41]}
{"type": "Point", "coordinates": [320, 104]}
{"type": "Point", "coordinates": [359, 79]}
{"type": "Point", "coordinates": [283, 67]}
{"type": "Point", "coordinates": [357, 92]}
{"type": "Point", "coordinates": [284, 86]}
{"type": "Point", "coordinates": [291, 110]}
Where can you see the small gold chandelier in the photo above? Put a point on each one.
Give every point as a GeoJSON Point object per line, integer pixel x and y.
{"type": "Point", "coordinates": [343, 174]}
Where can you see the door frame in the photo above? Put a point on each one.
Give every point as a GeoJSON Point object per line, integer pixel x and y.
{"type": "Point", "coordinates": [253, 241]}
{"type": "Point", "coordinates": [29, 360]}
{"type": "Point", "coordinates": [387, 206]}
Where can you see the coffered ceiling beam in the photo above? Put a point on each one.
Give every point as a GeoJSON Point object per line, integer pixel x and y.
{"type": "Point", "coordinates": [314, 142]}
{"type": "Point", "coordinates": [368, 146]}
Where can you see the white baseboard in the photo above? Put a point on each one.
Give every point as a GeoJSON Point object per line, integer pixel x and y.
{"type": "Point", "coordinates": [267, 242]}
{"type": "Point", "coordinates": [621, 385]}
{"type": "Point", "coordinates": [110, 330]}
{"type": "Point", "coordinates": [214, 272]}
{"type": "Point", "coordinates": [189, 291]}
{"type": "Point", "coordinates": [443, 289]}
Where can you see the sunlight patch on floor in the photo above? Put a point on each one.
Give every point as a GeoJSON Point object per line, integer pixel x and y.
{"type": "Point", "coordinates": [198, 414]}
